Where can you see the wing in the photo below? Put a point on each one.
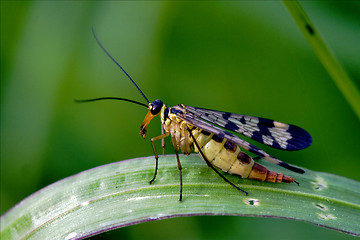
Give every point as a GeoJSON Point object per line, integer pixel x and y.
{"type": "Point", "coordinates": [272, 133]}
{"type": "Point", "coordinates": [201, 124]}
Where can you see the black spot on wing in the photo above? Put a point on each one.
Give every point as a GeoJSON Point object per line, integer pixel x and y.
{"type": "Point", "coordinates": [264, 125]}
{"type": "Point", "coordinates": [242, 120]}
{"type": "Point", "coordinates": [292, 168]}
{"type": "Point", "coordinates": [300, 138]}
{"type": "Point", "coordinates": [263, 130]}
{"type": "Point", "coordinates": [231, 126]}
{"type": "Point", "coordinates": [226, 115]}
{"type": "Point", "coordinates": [266, 122]}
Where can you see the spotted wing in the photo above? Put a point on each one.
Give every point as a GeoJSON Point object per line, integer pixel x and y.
{"type": "Point", "coordinates": [201, 124]}
{"type": "Point", "coordinates": [272, 133]}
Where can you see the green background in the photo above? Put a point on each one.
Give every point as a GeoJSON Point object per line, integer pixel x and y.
{"type": "Point", "coordinates": [242, 57]}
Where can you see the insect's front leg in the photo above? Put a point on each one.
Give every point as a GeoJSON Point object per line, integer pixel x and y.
{"type": "Point", "coordinates": [162, 136]}
{"type": "Point", "coordinates": [163, 139]}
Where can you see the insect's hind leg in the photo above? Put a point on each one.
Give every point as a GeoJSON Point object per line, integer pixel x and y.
{"type": "Point", "coordinates": [180, 172]}
{"type": "Point", "coordinates": [162, 136]}
{"type": "Point", "coordinates": [176, 148]}
{"type": "Point", "coordinates": [212, 167]}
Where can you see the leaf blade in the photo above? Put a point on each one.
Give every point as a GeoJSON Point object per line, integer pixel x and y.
{"type": "Point", "coordinates": [118, 195]}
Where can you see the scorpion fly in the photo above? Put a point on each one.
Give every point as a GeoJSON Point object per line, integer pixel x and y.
{"type": "Point", "coordinates": [202, 130]}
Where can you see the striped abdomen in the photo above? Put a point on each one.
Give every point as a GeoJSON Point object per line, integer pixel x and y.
{"type": "Point", "coordinates": [229, 158]}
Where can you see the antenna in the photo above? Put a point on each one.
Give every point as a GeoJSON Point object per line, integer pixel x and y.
{"type": "Point", "coordinates": [112, 98]}
{"type": "Point", "coordinates": [107, 53]}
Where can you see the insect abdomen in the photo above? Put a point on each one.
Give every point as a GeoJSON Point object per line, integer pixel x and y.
{"type": "Point", "coordinates": [229, 158]}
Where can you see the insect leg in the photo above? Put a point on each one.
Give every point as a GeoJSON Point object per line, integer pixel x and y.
{"type": "Point", "coordinates": [212, 167]}
{"type": "Point", "coordinates": [162, 136]}
{"type": "Point", "coordinates": [163, 140]}
{"type": "Point", "coordinates": [173, 140]}
{"type": "Point", "coordinates": [180, 172]}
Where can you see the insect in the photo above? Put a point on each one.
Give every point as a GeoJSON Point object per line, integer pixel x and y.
{"type": "Point", "coordinates": [202, 130]}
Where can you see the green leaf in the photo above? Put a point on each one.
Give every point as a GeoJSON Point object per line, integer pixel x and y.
{"type": "Point", "coordinates": [119, 194]}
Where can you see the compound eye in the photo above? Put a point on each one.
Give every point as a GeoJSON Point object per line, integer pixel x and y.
{"type": "Point", "coordinates": [156, 106]}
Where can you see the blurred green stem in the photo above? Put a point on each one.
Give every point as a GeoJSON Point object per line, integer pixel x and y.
{"type": "Point", "coordinates": [336, 71]}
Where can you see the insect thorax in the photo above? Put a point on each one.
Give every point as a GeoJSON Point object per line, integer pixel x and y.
{"type": "Point", "coordinates": [177, 128]}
